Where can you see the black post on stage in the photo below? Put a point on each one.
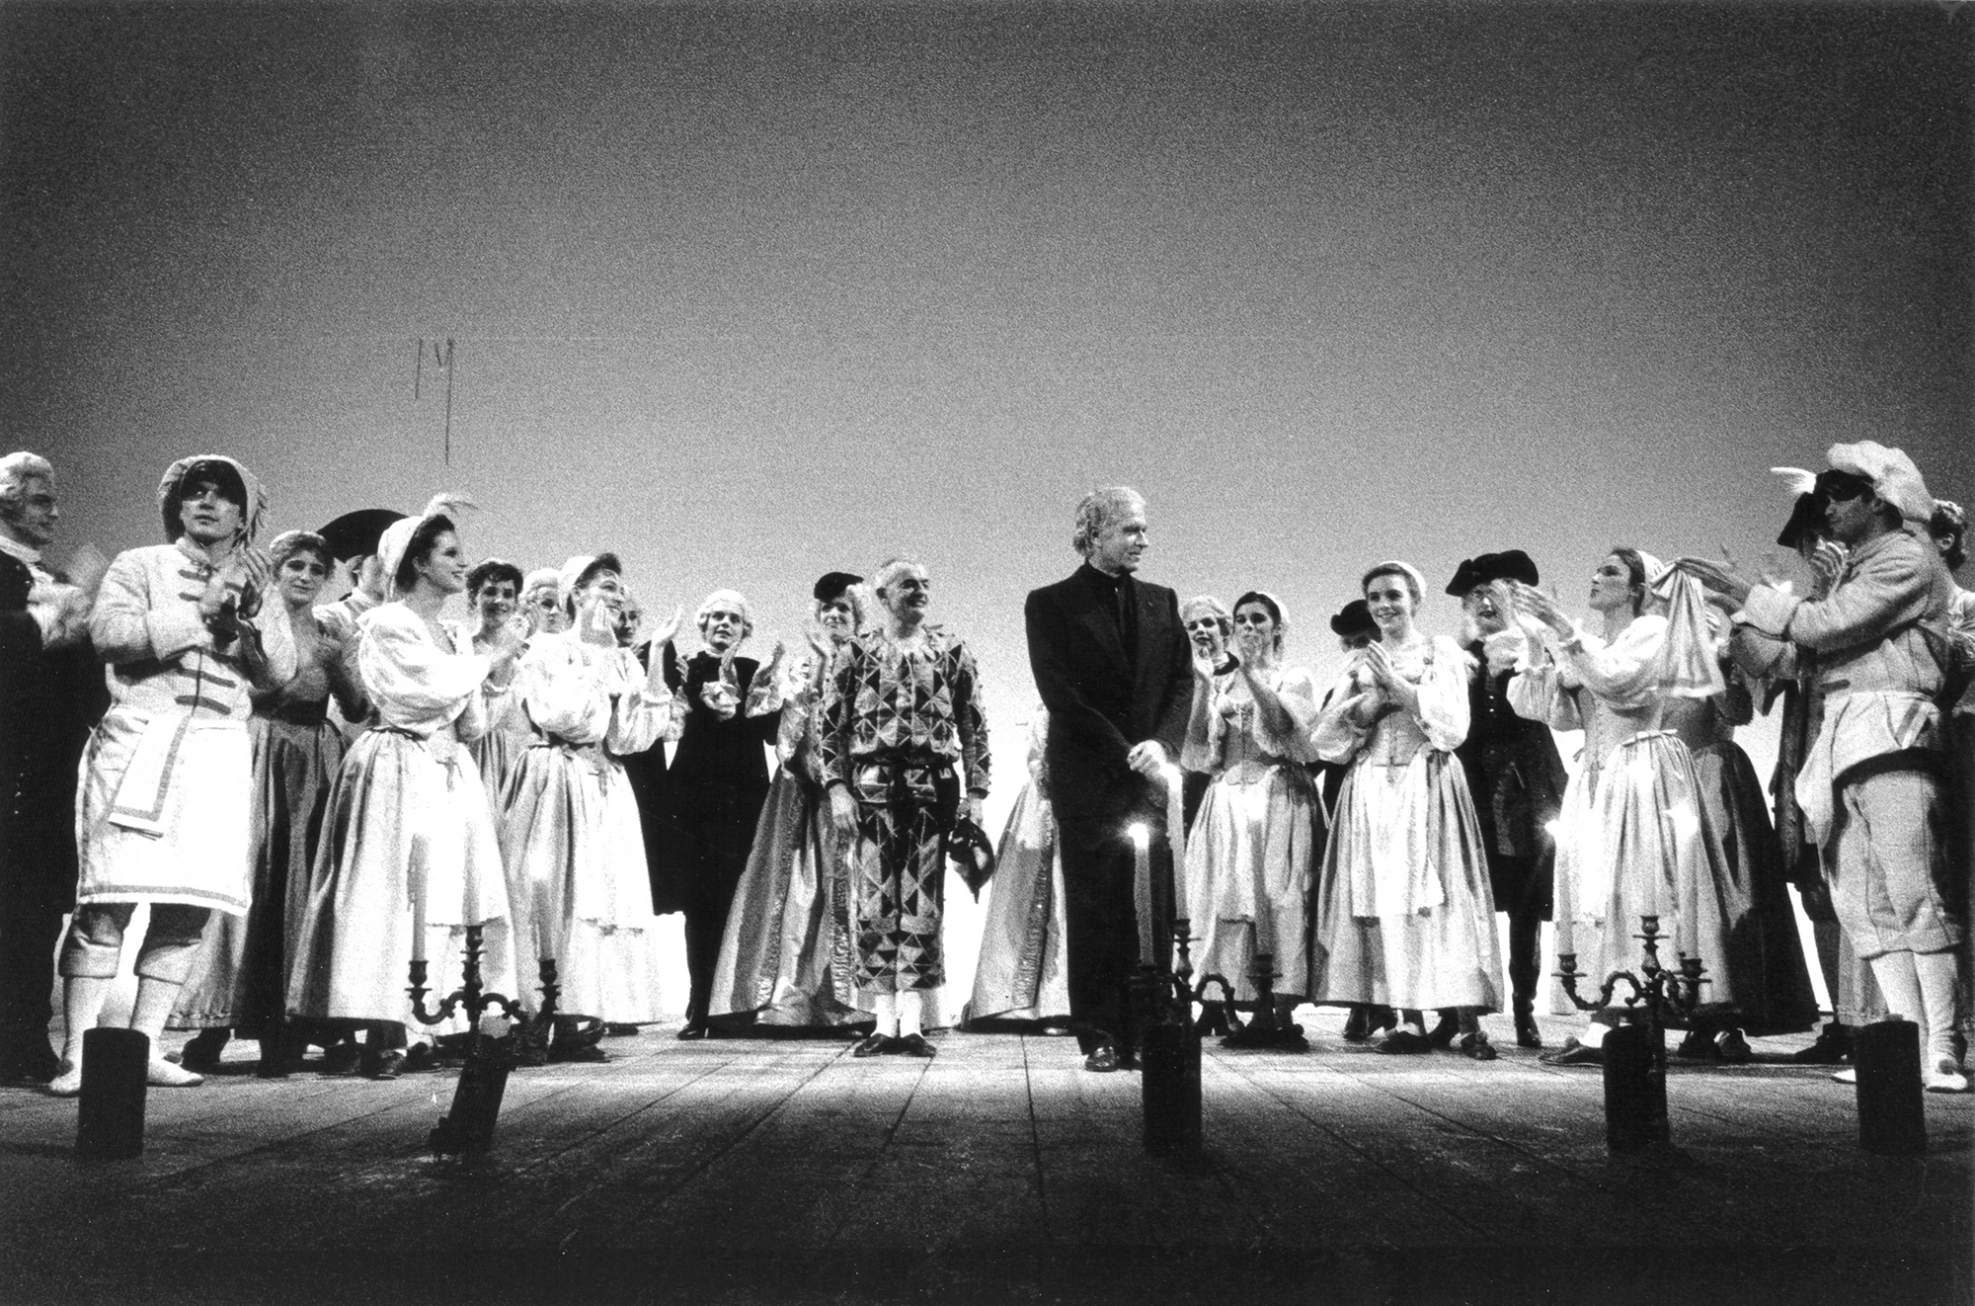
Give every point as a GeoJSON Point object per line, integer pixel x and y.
{"type": "Point", "coordinates": [110, 1113]}
{"type": "Point", "coordinates": [1169, 1072]}
{"type": "Point", "coordinates": [1635, 1087]}
{"type": "Point", "coordinates": [1892, 1115]}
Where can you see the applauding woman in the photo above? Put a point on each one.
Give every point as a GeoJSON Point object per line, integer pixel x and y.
{"type": "Point", "coordinates": [1251, 854]}
{"type": "Point", "coordinates": [1404, 916]}
{"type": "Point", "coordinates": [408, 859]}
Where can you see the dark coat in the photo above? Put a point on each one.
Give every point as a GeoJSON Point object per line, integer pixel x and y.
{"type": "Point", "coordinates": [1099, 704]}
{"type": "Point", "coordinates": [1517, 780]}
{"type": "Point", "coordinates": [712, 791]}
{"type": "Point", "coordinates": [49, 702]}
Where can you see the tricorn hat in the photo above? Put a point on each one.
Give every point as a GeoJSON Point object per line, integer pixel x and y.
{"type": "Point", "coordinates": [1354, 618]}
{"type": "Point", "coordinates": [355, 534]}
{"type": "Point", "coordinates": [1510, 564]}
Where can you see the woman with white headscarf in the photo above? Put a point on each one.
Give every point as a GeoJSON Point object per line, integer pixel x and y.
{"type": "Point", "coordinates": [1632, 838]}
{"type": "Point", "coordinates": [1251, 852]}
{"type": "Point", "coordinates": [1405, 917]}
{"type": "Point", "coordinates": [570, 835]}
{"type": "Point", "coordinates": [409, 859]}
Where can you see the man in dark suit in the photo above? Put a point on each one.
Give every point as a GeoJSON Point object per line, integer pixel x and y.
{"type": "Point", "coordinates": [713, 790]}
{"type": "Point", "coordinates": [1514, 773]}
{"type": "Point", "coordinates": [1112, 664]}
{"type": "Point", "coordinates": [51, 694]}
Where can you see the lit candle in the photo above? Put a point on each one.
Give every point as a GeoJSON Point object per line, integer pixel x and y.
{"type": "Point", "coordinates": [1176, 836]}
{"type": "Point", "coordinates": [1142, 890]}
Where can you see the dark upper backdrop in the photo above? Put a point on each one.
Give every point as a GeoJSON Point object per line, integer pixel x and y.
{"type": "Point", "coordinates": [751, 292]}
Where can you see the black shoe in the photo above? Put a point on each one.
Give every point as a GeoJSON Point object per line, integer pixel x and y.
{"type": "Point", "coordinates": [420, 1056]}
{"type": "Point", "coordinates": [386, 1065]}
{"type": "Point", "coordinates": [1403, 1042]}
{"type": "Point", "coordinates": [871, 1045]}
{"type": "Point", "coordinates": [618, 1029]}
{"type": "Point", "coordinates": [1574, 1053]}
{"type": "Point", "coordinates": [201, 1055]}
{"type": "Point", "coordinates": [1832, 1047]}
{"type": "Point", "coordinates": [1379, 1017]}
{"type": "Point", "coordinates": [563, 1053]}
{"type": "Point", "coordinates": [1699, 1045]}
{"type": "Point", "coordinates": [29, 1057]}
{"type": "Point", "coordinates": [694, 1029]}
{"type": "Point", "coordinates": [1527, 1035]}
{"type": "Point", "coordinates": [340, 1059]}
{"type": "Point", "coordinates": [1477, 1046]}
{"type": "Point", "coordinates": [913, 1045]}
{"type": "Point", "coordinates": [1102, 1059]}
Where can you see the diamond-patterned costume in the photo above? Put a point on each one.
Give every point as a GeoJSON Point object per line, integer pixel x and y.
{"type": "Point", "coordinates": [897, 719]}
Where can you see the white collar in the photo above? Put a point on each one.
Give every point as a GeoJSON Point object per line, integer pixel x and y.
{"type": "Point", "coordinates": [14, 548]}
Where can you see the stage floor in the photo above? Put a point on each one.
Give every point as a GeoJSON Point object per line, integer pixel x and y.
{"type": "Point", "coordinates": [771, 1170]}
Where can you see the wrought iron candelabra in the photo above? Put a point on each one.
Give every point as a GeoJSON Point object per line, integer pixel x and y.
{"type": "Point", "coordinates": [1221, 1015]}
{"type": "Point", "coordinates": [1666, 998]}
{"type": "Point", "coordinates": [469, 1126]}
{"type": "Point", "coordinates": [1635, 1052]}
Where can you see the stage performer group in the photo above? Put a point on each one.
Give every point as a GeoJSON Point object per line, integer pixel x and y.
{"type": "Point", "coordinates": [312, 794]}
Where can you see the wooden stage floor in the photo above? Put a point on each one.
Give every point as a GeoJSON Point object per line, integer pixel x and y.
{"type": "Point", "coordinates": [782, 1170]}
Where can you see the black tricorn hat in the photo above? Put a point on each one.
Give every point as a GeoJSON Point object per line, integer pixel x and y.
{"type": "Point", "coordinates": [832, 584]}
{"type": "Point", "coordinates": [1354, 618]}
{"type": "Point", "coordinates": [1510, 564]}
{"type": "Point", "coordinates": [355, 534]}
{"type": "Point", "coordinates": [972, 853]}
{"type": "Point", "coordinates": [1806, 520]}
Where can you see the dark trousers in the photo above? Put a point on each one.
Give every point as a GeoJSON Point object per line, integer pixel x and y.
{"type": "Point", "coordinates": [29, 929]}
{"type": "Point", "coordinates": [1100, 924]}
{"type": "Point", "coordinates": [707, 905]}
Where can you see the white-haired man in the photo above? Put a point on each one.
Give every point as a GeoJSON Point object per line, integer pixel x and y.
{"type": "Point", "coordinates": [1114, 668]}
{"type": "Point", "coordinates": [901, 715]}
{"type": "Point", "coordinates": [51, 692]}
{"type": "Point", "coordinates": [1874, 788]}
{"type": "Point", "coordinates": [713, 791]}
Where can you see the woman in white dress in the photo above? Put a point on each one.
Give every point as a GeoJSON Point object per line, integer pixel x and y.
{"type": "Point", "coordinates": [1631, 839]}
{"type": "Point", "coordinates": [570, 835]}
{"type": "Point", "coordinates": [1405, 917]}
{"type": "Point", "coordinates": [408, 859]}
{"type": "Point", "coordinates": [1251, 853]}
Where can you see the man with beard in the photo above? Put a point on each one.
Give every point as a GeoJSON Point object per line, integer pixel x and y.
{"type": "Point", "coordinates": [712, 791]}
{"type": "Point", "coordinates": [1114, 668]}
{"type": "Point", "coordinates": [1514, 773]}
{"type": "Point", "coordinates": [51, 692]}
{"type": "Point", "coordinates": [901, 711]}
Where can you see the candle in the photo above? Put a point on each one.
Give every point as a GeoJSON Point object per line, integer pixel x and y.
{"type": "Point", "coordinates": [1176, 837]}
{"type": "Point", "coordinates": [416, 884]}
{"type": "Point", "coordinates": [1141, 838]}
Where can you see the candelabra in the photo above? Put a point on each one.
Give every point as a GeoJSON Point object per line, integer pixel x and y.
{"type": "Point", "coordinates": [469, 1126]}
{"type": "Point", "coordinates": [1221, 1015]}
{"type": "Point", "coordinates": [1635, 1052]}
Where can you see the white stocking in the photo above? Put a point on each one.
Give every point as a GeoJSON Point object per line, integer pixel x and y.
{"type": "Point", "coordinates": [887, 1009]}
{"type": "Point", "coordinates": [911, 1013]}
{"type": "Point", "coordinates": [1935, 973]}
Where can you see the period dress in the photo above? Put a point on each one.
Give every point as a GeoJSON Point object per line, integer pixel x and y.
{"type": "Point", "coordinates": [1251, 854]}
{"type": "Point", "coordinates": [407, 836]}
{"type": "Point", "coordinates": [498, 750]}
{"type": "Point", "coordinates": [1404, 915]}
{"type": "Point", "coordinates": [1764, 957]}
{"type": "Point", "coordinates": [1631, 839]}
{"type": "Point", "coordinates": [789, 954]}
{"type": "Point", "coordinates": [241, 979]}
{"type": "Point", "coordinates": [570, 834]}
{"type": "Point", "coordinates": [1023, 973]}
